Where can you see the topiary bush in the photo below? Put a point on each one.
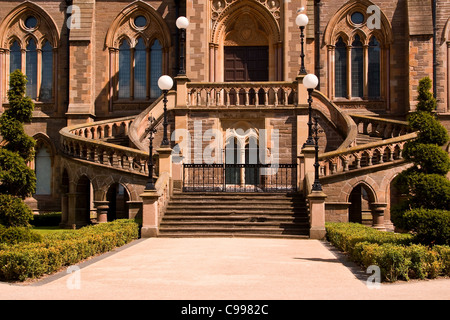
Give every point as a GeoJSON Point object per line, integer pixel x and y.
{"type": "Point", "coordinates": [425, 184]}
{"type": "Point", "coordinates": [17, 180]}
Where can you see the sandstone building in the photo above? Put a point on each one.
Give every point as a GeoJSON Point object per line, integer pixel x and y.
{"type": "Point", "coordinates": [93, 68]}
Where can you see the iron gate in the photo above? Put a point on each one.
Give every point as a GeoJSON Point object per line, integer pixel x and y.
{"type": "Point", "coordinates": [239, 178]}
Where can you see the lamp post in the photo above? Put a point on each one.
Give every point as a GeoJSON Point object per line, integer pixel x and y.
{"type": "Point", "coordinates": [302, 21]}
{"type": "Point", "coordinates": [151, 130]}
{"type": "Point", "coordinates": [317, 186]}
{"type": "Point", "coordinates": [165, 83]}
{"type": "Point", "coordinates": [182, 24]}
{"type": "Point", "coordinates": [310, 82]}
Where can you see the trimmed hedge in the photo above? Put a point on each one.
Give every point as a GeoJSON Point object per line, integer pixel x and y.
{"type": "Point", "coordinates": [51, 219]}
{"type": "Point", "coordinates": [395, 254]}
{"type": "Point", "coordinates": [32, 260]}
{"type": "Point", "coordinates": [14, 235]}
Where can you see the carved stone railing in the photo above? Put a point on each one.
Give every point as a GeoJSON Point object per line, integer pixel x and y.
{"type": "Point", "coordinates": [241, 94]}
{"type": "Point", "coordinates": [380, 127]}
{"type": "Point", "coordinates": [364, 156]}
{"type": "Point", "coordinates": [84, 142]}
{"type": "Point", "coordinates": [104, 129]}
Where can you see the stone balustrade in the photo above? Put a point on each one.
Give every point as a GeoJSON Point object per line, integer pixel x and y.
{"type": "Point", "coordinates": [364, 156]}
{"type": "Point", "coordinates": [104, 129]}
{"type": "Point", "coordinates": [379, 127]}
{"type": "Point", "coordinates": [241, 94]}
{"type": "Point", "coordinates": [84, 142]}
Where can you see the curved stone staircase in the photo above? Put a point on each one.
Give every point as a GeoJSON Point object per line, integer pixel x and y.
{"type": "Point", "coordinates": [120, 145]}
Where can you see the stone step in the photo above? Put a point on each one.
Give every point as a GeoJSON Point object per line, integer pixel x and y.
{"type": "Point", "coordinates": [238, 214]}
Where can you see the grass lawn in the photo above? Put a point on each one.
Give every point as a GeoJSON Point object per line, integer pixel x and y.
{"type": "Point", "coordinates": [49, 230]}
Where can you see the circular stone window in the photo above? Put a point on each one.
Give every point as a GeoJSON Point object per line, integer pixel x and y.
{"type": "Point", "coordinates": [140, 22]}
{"type": "Point", "coordinates": [31, 22]}
{"type": "Point", "coordinates": [357, 18]}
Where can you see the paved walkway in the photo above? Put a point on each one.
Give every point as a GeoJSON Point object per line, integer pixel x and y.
{"type": "Point", "coordinates": [221, 269]}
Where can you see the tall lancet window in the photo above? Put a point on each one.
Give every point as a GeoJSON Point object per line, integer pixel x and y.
{"type": "Point", "coordinates": [124, 70]}
{"type": "Point", "coordinates": [374, 68]}
{"type": "Point", "coordinates": [15, 55]}
{"type": "Point", "coordinates": [341, 69]}
{"type": "Point", "coordinates": [140, 70]}
{"type": "Point", "coordinates": [31, 69]}
{"type": "Point", "coordinates": [156, 59]}
{"type": "Point", "coordinates": [47, 72]}
{"type": "Point", "coordinates": [357, 68]}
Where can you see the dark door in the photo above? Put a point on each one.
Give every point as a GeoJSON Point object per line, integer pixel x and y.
{"type": "Point", "coordinates": [245, 64]}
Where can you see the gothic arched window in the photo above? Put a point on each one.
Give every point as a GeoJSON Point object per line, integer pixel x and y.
{"type": "Point", "coordinates": [374, 68]}
{"type": "Point", "coordinates": [31, 69]}
{"type": "Point", "coordinates": [15, 55]}
{"type": "Point", "coordinates": [357, 68]}
{"type": "Point", "coordinates": [46, 91]}
{"type": "Point", "coordinates": [124, 70]}
{"type": "Point", "coordinates": [156, 59]}
{"type": "Point", "coordinates": [140, 70]}
{"type": "Point", "coordinates": [340, 69]}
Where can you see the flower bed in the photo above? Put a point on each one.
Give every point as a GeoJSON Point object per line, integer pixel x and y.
{"type": "Point", "coordinates": [23, 261]}
{"type": "Point", "coordinates": [397, 256]}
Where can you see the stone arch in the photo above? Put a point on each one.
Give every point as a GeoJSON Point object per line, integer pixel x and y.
{"type": "Point", "coordinates": [360, 198]}
{"type": "Point", "coordinates": [156, 28]}
{"type": "Point", "coordinates": [44, 164]}
{"type": "Point", "coordinates": [245, 23]}
{"type": "Point", "coordinates": [229, 15]}
{"type": "Point", "coordinates": [340, 22]}
{"type": "Point", "coordinates": [83, 201]}
{"type": "Point", "coordinates": [13, 25]}
{"type": "Point", "coordinates": [117, 197]}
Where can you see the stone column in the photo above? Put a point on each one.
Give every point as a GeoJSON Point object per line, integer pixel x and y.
{"type": "Point", "coordinates": [378, 215]}
{"type": "Point", "coordinates": [302, 92]}
{"type": "Point", "coordinates": [308, 155]}
{"type": "Point", "coordinates": [150, 216]}
{"type": "Point", "coordinates": [102, 211]}
{"type": "Point", "coordinates": [181, 96]}
{"type": "Point", "coordinates": [134, 209]}
{"type": "Point", "coordinates": [317, 214]}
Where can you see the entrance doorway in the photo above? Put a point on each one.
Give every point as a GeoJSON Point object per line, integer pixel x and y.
{"type": "Point", "coordinates": [245, 64]}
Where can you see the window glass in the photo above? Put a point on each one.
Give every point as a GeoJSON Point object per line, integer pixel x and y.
{"type": "Point", "coordinates": [47, 72]}
{"type": "Point", "coordinates": [43, 172]}
{"type": "Point", "coordinates": [357, 18]}
{"type": "Point", "coordinates": [357, 68]}
{"type": "Point", "coordinates": [31, 22]}
{"type": "Point", "coordinates": [374, 68]}
{"type": "Point", "coordinates": [140, 70]}
{"type": "Point", "coordinates": [15, 56]}
{"type": "Point", "coordinates": [124, 70]}
{"type": "Point", "coordinates": [156, 69]}
{"type": "Point", "coordinates": [341, 69]}
{"type": "Point", "coordinates": [31, 69]}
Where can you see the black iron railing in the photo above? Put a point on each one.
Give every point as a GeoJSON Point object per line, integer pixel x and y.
{"type": "Point", "coordinates": [239, 178]}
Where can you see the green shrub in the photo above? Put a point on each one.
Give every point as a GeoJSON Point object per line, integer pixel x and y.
{"type": "Point", "coordinates": [16, 178]}
{"type": "Point", "coordinates": [431, 226]}
{"type": "Point", "coordinates": [427, 102]}
{"type": "Point", "coordinates": [19, 262]}
{"type": "Point", "coordinates": [429, 158]}
{"type": "Point", "coordinates": [13, 235]}
{"type": "Point", "coordinates": [14, 212]}
{"type": "Point", "coordinates": [51, 219]}
{"type": "Point", "coordinates": [396, 256]}
{"type": "Point", "coordinates": [430, 129]}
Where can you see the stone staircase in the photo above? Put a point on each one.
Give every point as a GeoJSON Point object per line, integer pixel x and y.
{"type": "Point", "coordinates": [235, 215]}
